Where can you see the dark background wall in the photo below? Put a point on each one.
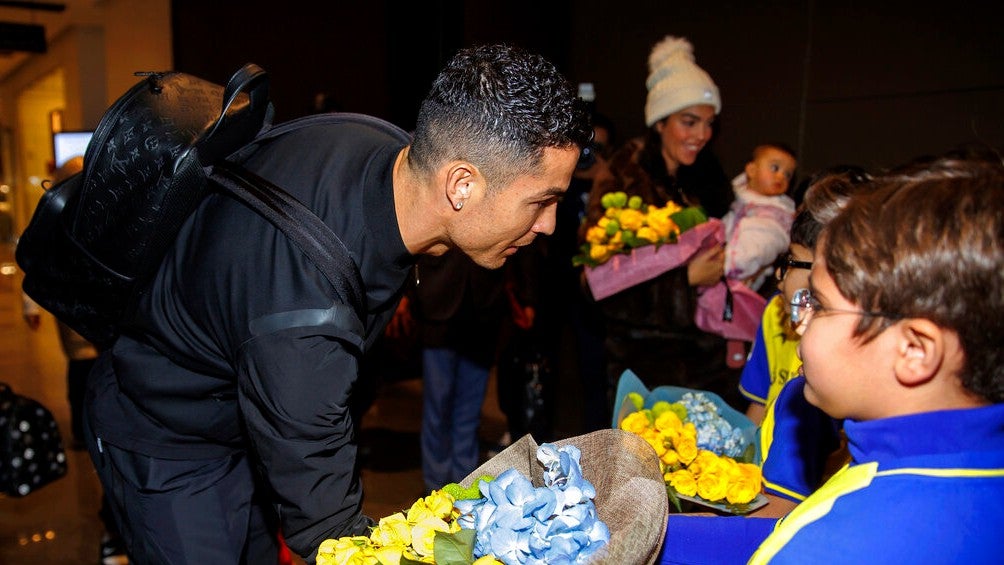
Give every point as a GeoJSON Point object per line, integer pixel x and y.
{"type": "Point", "coordinates": [844, 81]}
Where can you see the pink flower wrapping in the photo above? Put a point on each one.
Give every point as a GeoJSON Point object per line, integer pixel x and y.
{"type": "Point", "coordinates": [645, 263]}
{"type": "Point", "coordinates": [747, 310]}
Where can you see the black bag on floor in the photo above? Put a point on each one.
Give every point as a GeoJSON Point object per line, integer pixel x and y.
{"type": "Point", "coordinates": [31, 447]}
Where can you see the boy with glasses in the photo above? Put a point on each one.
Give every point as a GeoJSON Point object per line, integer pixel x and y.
{"type": "Point", "coordinates": [773, 360]}
{"type": "Point", "coordinates": [901, 339]}
{"type": "Point", "coordinates": [796, 440]}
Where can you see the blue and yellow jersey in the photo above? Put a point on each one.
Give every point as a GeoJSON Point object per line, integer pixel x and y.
{"type": "Point", "coordinates": [796, 441]}
{"type": "Point", "coordinates": [924, 488]}
{"type": "Point", "coordinates": [774, 357]}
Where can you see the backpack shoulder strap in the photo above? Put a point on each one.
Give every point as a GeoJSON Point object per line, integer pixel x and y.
{"type": "Point", "coordinates": [298, 223]}
{"type": "Point", "coordinates": [331, 118]}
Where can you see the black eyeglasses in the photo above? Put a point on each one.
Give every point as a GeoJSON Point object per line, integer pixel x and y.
{"type": "Point", "coordinates": [804, 305]}
{"type": "Point", "coordinates": [790, 262]}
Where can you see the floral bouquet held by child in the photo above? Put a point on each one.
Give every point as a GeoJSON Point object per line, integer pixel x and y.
{"type": "Point", "coordinates": [706, 450]}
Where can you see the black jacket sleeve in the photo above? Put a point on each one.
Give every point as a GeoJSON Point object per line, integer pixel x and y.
{"type": "Point", "coordinates": [294, 386]}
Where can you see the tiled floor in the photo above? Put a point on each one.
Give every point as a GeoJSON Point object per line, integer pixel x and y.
{"type": "Point", "coordinates": [58, 524]}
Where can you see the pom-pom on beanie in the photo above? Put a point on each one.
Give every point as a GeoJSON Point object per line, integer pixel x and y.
{"type": "Point", "coordinates": [675, 81]}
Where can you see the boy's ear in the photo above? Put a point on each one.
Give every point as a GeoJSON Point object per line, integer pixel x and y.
{"type": "Point", "coordinates": [750, 168]}
{"type": "Point", "coordinates": [921, 352]}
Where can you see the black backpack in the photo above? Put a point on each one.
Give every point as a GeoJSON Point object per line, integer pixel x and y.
{"type": "Point", "coordinates": [96, 239]}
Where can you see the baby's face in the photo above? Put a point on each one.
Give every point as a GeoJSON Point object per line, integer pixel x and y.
{"type": "Point", "coordinates": [770, 173]}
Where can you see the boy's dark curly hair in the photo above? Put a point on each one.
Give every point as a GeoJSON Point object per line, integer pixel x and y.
{"type": "Point", "coordinates": [498, 107]}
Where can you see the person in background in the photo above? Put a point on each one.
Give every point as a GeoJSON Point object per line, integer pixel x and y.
{"type": "Point", "coordinates": [758, 222]}
{"type": "Point", "coordinates": [567, 309]}
{"type": "Point", "coordinates": [223, 413]}
{"type": "Point", "coordinates": [799, 444]}
{"type": "Point", "coordinates": [901, 341]}
{"type": "Point", "coordinates": [773, 360]}
{"type": "Point", "coordinates": [80, 357]}
{"type": "Point", "coordinates": [459, 308]}
{"type": "Point", "coordinates": [650, 327]}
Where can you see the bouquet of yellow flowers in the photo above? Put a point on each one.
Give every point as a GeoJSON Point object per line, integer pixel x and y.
{"type": "Point", "coordinates": [634, 242]}
{"type": "Point", "coordinates": [703, 456]}
{"type": "Point", "coordinates": [629, 223]}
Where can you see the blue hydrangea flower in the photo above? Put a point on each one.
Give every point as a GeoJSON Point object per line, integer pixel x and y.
{"type": "Point", "coordinates": [714, 433]}
{"type": "Point", "coordinates": [519, 523]}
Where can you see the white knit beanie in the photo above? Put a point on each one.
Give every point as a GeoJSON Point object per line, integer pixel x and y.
{"type": "Point", "coordinates": [675, 81]}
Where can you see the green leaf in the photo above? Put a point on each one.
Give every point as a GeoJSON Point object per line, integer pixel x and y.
{"type": "Point", "coordinates": [689, 217]}
{"type": "Point", "coordinates": [406, 561]}
{"type": "Point", "coordinates": [673, 499]}
{"type": "Point", "coordinates": [454, 549]}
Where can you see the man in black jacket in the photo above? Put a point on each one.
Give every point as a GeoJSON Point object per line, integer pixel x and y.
{"type": "Point", "coordinates": [223, 410]}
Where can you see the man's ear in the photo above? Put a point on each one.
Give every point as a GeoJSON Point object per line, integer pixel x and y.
{"type": "Point", "coordinates": [461, 178]}
{"type": "Point", "coordinates": [921, 351]}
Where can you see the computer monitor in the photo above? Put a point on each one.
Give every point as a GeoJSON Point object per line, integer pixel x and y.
{"type": "Point", "coordinates": [69, 144]}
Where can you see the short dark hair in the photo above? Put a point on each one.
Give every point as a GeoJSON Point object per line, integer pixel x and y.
{"type": "Point", "coordinates": [928, 243]}
{"type": "Point", "coordinates": [827, 193]}
{"type": "Point", "coordinates": [498, 107]}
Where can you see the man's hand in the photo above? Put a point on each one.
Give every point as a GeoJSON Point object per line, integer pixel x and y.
{"type": "Point", "coordinates": [402, 323]}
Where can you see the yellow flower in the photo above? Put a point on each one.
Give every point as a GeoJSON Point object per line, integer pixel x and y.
{"type": "Point", "coordinates": [682, 482]}
{"type": "Point", "coordinates": [596, 235]}
{"type": "Point", "coordinates": [354, 550]}
{"type": "Point", "coordinates": [656, 440]}
{"type": "Point", "coordinates": [631, 219]}
{"type": "Point", "coordinates": [744, 484]}
{"type": "Point", "coordinates": [712, 485]}
{"type": "Point", "coordinates": [648, 234]}
{"type": "Point", "coordinates": [487, 560]}
{"type": "Point", "coordinates": [423, 534]}
{"type": "Point", "coordinates": [635, 422]}
{"type": "Point", "coordinates": [392, 530]}
{"type": "Point", "coordinates": [419, 511]}
{"type": "Point", "coordinates": [686, 446]}
{"type": "Point", "coordinates": [599, 252]}
{"type": "Point", "coordinates": [671, 458]}
{"type": "Point", "coordinates": [668, 420]}
{"type": "Point", "coordinates": [440, 503]}
{"type": "Point", "coordinates": [705, 460]}
{"type": "Point", "coordinates": [389, 555]}
{"type": "Point", "coordinates": [616, 241]}
{"type": "Point", "coordinates": [661, 223]}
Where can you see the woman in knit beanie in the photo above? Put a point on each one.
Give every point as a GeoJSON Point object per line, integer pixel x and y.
{"type": "Point", "coordinates": [650, 327]}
